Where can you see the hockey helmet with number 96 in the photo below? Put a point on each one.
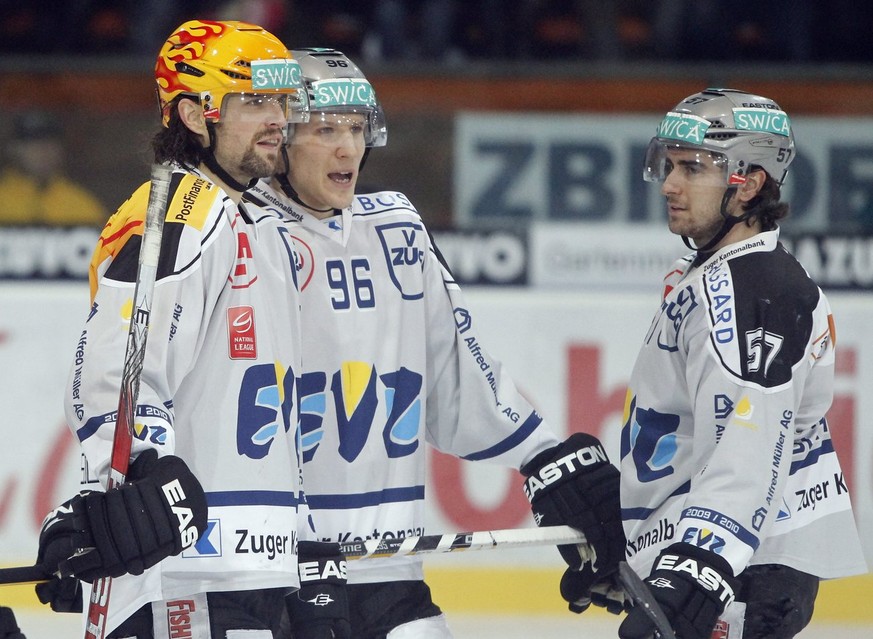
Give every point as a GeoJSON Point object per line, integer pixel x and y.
{"type": "Point", "coordinates": [740, 131]}
{"type": "Point", "coordinates": [208, 60]}
{"type": "Point", "coordinates": [337, 86]}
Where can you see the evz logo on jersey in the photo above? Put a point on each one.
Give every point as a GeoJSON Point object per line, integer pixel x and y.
{"type": "Point", "coordinates": [403, 245]}
{"type": "Point", "coordinates": [704, 538]}
{"type": "Point", "coordinates": [360, 394]}
{"type": "Point", "coordinates": [266, 398]}
{"type": "Point", "coordinates": [650, 437]}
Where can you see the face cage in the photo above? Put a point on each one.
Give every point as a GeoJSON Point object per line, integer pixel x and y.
{"type": "Point", "coordinates": [655, 168]}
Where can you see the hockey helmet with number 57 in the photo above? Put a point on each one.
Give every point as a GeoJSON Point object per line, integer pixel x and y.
{"type": "Point", "coordinates": [741, 131]}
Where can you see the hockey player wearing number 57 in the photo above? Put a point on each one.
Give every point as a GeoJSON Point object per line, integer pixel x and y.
{"type": "Point", "coordinates": [394, 361]}
{"type": "Point", "coordinates": [724, 429]}
{"type": "Point", "coordinates": [216, 422]}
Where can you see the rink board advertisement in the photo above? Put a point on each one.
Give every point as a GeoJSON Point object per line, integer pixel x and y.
{"type": "Point", "coordinates": [634, 257]}
{"type": "Point", "coordinates": [571, 354]}
{"type": "Point", "coordinates": [510, 169]}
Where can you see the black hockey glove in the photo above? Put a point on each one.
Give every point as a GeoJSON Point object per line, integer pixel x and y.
{"type": "Point", "coordinates": [8, 626]}
{"type": "Point", "coordinates": [693, 587]}
{"type": "Point", "coordinates": [159, 511]}
{"type": "Point", "coordinates": [320, 609]}
{"type": "Point", "coordinates": [581, 588]}
{"type": "Point", "coordinates": [574, 484]}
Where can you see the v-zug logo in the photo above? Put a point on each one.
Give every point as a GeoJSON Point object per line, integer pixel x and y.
{"type": "Point", "coordinates": [404, 248]}
{"type": "Point", "coordinates": [463, 320]}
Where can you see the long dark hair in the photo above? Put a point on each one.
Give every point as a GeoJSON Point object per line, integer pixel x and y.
{"type": "Point", "coordinates": [766, 207]}
{"type": "Point", "coordinates": [176, 142]}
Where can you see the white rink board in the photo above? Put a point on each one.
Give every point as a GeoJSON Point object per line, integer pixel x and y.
{"type": "Point", "coordinates": [592, 625]}
{"type": "Point", "coordinates": [546, 339]}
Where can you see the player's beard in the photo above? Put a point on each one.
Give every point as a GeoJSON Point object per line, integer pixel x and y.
{"type": "Point", "coordinates": [256, 165]}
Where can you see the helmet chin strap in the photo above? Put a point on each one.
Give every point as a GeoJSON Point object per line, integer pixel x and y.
{"type": "Point", "coordinates": [210, 161]}
{"type": "Point", "coordinates": [729, 222]}
{"type": "Point", "coordinates": [289, 190]}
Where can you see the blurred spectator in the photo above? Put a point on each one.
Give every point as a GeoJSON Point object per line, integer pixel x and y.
{"type": "Point", "coordinates": [413, 29]}
{"type": "Point", "coordinates": [556, 29]}
{"type": "Point", "coordinates": [499, 30]}
{"type": "Point", "coordinates": [154, 19]}
{"type": "Point", "coordinates": [601, 21]}
{"type": "Point", "coordinates": [451, 30]}
{"type": "Point", "coordinates": [780, 30]}
{"type": "Point", "coordinates": [693, 29]}
{"type": "Point", "coordinates": [269, 14]}
{"type": "Point", "coordinates": [33, 186]}
{"type": "Point", "coordinates": [91, 27]}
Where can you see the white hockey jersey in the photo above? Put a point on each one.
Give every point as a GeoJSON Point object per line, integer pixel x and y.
{"type": "Point", "coordinates": [392, 359]}
{"type": "Point", "coordinates": [725, 444]}
{"type": "Point", "coordinates": [218, 386]}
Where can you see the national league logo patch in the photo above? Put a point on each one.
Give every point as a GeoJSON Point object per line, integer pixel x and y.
{"type": "Point", "coordinates": [241, 332]}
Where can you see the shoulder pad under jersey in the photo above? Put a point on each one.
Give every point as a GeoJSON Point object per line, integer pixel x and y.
{"type": "Point", "coordinates": [195, 207]}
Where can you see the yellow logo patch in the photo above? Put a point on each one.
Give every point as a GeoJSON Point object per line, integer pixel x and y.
{"type": "Point", "coordinates": [189, 206]}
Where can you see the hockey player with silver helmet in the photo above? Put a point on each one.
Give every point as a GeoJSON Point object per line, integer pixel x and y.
{"type": "Point", "coordinates": [396, 362]}
{"type": "Point", "coordinates": [725, 428]}
{"type": "Point", "coordinates": [739, 132]}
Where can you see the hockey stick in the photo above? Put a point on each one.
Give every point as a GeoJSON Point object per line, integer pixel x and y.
{"type": "Point", "coordinates": [397, 547]}
{"type": "Point", "coordinates": [638, 591]}
{"type": "Point", "coordinates": [149, 253]}
{"type": "Point", "coordinates": [452, 542]}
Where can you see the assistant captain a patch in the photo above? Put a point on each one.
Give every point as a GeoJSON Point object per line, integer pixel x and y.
{"type": "Point", "coordinates": [404, 245]}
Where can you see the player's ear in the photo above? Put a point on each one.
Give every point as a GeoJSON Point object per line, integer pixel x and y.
{"type": "Point", "coordinates": [753, 185]}
{"type": "Point", "coordinates": [192, 117]}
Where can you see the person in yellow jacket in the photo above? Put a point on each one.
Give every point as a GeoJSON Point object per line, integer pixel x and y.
{"type": "Point", "coordinates": [33, 187]}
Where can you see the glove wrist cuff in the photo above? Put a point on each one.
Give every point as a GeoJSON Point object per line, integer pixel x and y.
{"type": "Point", "coordinates": [708, 571]}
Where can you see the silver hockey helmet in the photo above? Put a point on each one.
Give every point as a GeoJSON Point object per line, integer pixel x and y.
{"type": "Point", "coordinates": [738, 130]}
{"type": "Point", "coordinates": [337, 85]}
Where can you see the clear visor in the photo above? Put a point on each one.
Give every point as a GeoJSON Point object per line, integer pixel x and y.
{"type": "Point", "coordinates": [292, 108]}
{"type": "Point", "coordinates": [701, 166]}
{"type": "Point", "coordinates": [331, 128]}
{"type": "Point", "coordinates": [351, 96]}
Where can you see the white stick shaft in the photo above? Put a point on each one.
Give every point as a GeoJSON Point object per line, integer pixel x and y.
{"type": "Point", "coordinates": [149, 254]}
{"type": "Point", "coordinates": [454, 542]}
{"type": "Point", "coordinates": [380, 548]}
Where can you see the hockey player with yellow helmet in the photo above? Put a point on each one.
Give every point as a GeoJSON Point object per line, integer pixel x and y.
{"type": "Point", "coordinates": [217, 411]}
